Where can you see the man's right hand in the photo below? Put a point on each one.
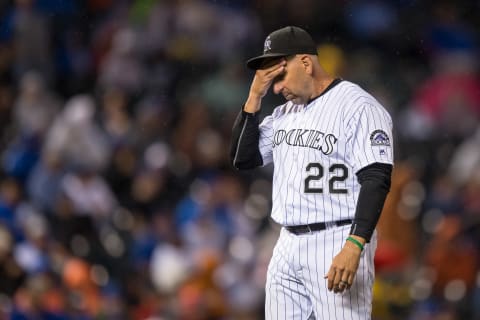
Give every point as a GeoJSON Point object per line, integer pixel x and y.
{"type": "Point", "coordinates": [261, 83]}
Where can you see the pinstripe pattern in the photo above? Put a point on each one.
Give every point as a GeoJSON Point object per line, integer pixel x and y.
{"type": "Point", "coordinates": [347, 113]}
{"type": "Point", "coordinates": [317, 149]}
{"type": "Point", "coordinates": [286, 296]}
{"type": "Point", "coordinates": [295, 285]}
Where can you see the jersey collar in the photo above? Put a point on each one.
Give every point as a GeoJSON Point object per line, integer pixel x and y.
{"type": "Point", "coordinates": [330, 86]}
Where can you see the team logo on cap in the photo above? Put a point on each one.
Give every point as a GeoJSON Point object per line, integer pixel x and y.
{"type": "Point", "coordinates": [379, 138]}
{"type": "Point", "coordinates": [267, 45]}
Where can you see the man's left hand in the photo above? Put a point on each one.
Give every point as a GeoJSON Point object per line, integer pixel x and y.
{"type": "Point", "coordinates": [344, 268]}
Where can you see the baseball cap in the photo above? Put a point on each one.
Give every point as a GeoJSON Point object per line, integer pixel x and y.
{"type": "Point", "coordinates": [284, 42]}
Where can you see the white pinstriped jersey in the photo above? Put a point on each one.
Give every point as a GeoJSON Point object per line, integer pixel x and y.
{"type": "Point", "coordinates": [318, 148]}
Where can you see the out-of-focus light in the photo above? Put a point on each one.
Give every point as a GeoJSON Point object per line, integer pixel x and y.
{"type": "Point", "coordinates": [407, 213]}
{"type": "Point", "coordinates": [241, 248]}
{"type": "Point", "coordinates": [432, 220]}
{"type": "Point", "coordinates": [256, 206]}
{"type": "Point", "coordinates": [157, 155]}
{"type": "Point", "coordinates": [200, 191]}
{"type": "Point", "coordinates": [209, 142]}
{"type": "Point", "coordinates": [478, 279]}
{"type": "Point", "coordinates": [99, 275]}
{"type": "Point", "coordinates": [455, 290]}
{"type": "Point", "coordinates": [226, 275]}
{"type": "Point", "coordinates": [169, 267]}
{"type": "Point", "coordinates": [33, 222]}
{"type": "Point", "coordinates": [113, 244]}
{"type": "Point", "coordinates": [420, 289]}
{"type": "Point", "coordinates": [123, 219]}
{"type": "Point", "coordinates": [80, 246]}
{"type": "Point", "coordinates": [413, 194]}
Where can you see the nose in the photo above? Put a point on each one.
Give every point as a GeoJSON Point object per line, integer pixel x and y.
{"type": "Point", "coordinates": [277, 87]}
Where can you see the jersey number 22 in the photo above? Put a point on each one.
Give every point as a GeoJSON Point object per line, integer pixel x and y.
{"type": "Point", "coordinates": [340, 169]}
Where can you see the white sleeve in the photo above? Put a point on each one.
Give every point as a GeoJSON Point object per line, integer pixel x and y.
{"type": "Point", "coordinates": [265, 143]}
{"type": "Point", "coordinates": [370, 133]}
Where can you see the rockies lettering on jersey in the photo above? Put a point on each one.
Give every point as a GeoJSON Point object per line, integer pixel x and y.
{"type": "Point", "coordinates": [308, 138]}
{"type": "Point", "coordinates": [322, 145]}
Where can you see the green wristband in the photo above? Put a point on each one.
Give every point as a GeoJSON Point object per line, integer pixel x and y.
{"type": "Point", "coordinates": [356, 242]}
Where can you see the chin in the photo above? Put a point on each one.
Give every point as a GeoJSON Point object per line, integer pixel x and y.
{"type": "Point", "coordinates": [296, 100]}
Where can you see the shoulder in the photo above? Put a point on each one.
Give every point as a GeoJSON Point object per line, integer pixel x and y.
{"type": "Point", "coordinates": [354, 95]}
{"type": "Point", "coordinates": [357, 100]}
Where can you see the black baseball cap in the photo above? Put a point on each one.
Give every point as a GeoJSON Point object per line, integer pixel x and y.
{"type": "Point", "coordinates": [284, 42]}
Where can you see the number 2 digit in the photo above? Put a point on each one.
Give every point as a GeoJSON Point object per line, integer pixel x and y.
{"type": "Point", "coordinates": [309, 178]}
{"type": "Point", "coordinates": [342, 177]}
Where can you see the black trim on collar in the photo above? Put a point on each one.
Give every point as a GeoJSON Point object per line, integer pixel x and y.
{"type": "Point", "coordinates": [328, 88]}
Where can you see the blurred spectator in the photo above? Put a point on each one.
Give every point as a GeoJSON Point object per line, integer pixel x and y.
{"type": "Point", "coordinates": [372, 19]}
{"type": "Point", "coordinates": [224, 92]}
{"type": "Point", "coordinates": [76, 138]}
{"type": "Point", "coordinates": [10, 271]}
{"type": "Point", "coordinates": [74, 60]}
{"type": "Point", "coordinates": [448, 102]}
{"type": "Point", "coordinates": [170, 266]}
{"type": "Point", "coordinates": [10, 198]}
{"type": "Point", "coordinates": [158, 25]}
{"type": "Point", "coordinates": [76, 276]}
{"type": "Point", "coordinates": [44, 183]}
{"type": "Point", "coordinates": [20, 156]}
{"type": "Point", "coordinates": [6, 111]}
{"type": "Point", "coordinates": [121, 172]}
{"type": "Point", "coordinates": [153, 116]}
{"type": "Point", "coordinates": [465, 162]}
{"type": "Point", "coordinates": [194, 118]}
{"type": "Point", "coordinates": [148, 191]}
{"type": "Point", "coordinates": [116, 121]}
{"type": "Point", "coordinates": [31, 253]}
{"type": "Point", "coordinates": [89, 193]}
{"type": "Point", "coordinates": [122, 68]}
{"type": "Point", "coordinates": [448, 31]}
{"type": "Point", "coordinates": [35, 107]}
{"type": "Point", "coordinates": [31, 39]}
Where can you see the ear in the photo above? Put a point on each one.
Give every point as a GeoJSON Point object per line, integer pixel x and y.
{"type": "Point", "coordinates": [307, 64]}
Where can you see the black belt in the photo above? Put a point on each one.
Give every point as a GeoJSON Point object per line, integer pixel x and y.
{"type": "Point", "coordinates": [308, 228]}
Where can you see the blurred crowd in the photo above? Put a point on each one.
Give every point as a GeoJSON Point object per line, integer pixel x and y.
{"type": "Point", "coordinates": [117, 200]}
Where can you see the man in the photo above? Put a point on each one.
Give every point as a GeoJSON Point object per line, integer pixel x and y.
{"type": "Point", "coordinates": [331, 146]}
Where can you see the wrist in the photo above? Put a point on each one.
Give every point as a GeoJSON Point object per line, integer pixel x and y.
{"type": "Point", "coordinates": [355, 242]}
{"type": "Point", "coordinates": [253, 103]}
{"type": "Point", "coordinates": [358, 238]}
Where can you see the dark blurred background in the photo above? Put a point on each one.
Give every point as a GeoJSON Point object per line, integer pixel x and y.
{"type": "Point", "coordinates": [117, 200]}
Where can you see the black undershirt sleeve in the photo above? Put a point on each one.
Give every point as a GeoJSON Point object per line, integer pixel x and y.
{"type": "Point", "coordinates": [244, 151]}
{"type": "Point", "coordinates": [375, 181]}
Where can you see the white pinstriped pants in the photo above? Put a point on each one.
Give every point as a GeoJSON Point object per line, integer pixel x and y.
{"type": "Point", "coordinates": [296, 287]}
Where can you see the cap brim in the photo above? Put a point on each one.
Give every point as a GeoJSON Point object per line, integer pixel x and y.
{"type": "Point", "coordinates": [257, 62]}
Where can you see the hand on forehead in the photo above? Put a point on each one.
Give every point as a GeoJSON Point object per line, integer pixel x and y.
{"type": "Point", "coordinates": [267, 63]}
